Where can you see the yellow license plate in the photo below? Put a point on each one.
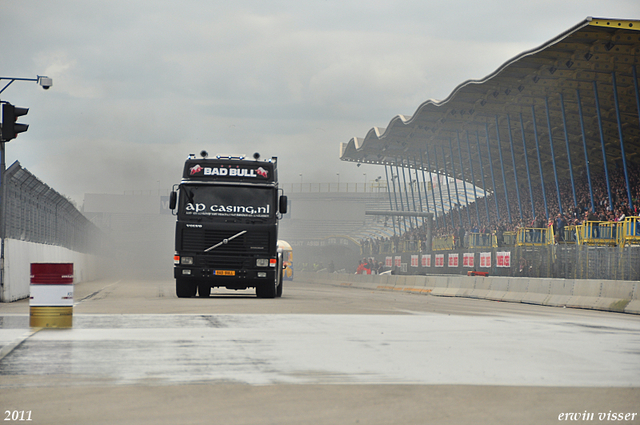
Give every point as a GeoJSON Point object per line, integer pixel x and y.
{"type": "Point", "coordinates": [225, 272]}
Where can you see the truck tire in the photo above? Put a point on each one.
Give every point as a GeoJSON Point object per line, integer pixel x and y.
{"type": "Point", "coordinates": [185, 288]}
{"type": "Point", "coordinates": [204, 290]}
{"type": "Point", "coordinates": [267, 291]}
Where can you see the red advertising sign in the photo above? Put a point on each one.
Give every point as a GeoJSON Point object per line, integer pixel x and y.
{"type": "Point", "coordinates": [439, 260]}
{"type": "Point", "coordinates": [468, 259]}
{"type": "Point", "coordinates": [485, 259]}
{"type": "Point", "coordinates": [414, 260]}
{"type": "Point", "coordinates": [453, 260]}
{"type": "Point", "coordinates": [503, 259]}
{"type": "Point", "coordinates": [426, 260]}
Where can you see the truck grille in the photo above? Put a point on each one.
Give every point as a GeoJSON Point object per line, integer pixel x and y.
{"type": "Point", "coordinates": [251, 242]}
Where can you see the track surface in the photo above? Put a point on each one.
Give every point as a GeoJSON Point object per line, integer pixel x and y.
{"type": "Point", "coordinates": [321, 354]}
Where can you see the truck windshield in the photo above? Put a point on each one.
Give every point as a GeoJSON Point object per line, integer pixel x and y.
{"type": "Point", "coordinates": [226, 201]}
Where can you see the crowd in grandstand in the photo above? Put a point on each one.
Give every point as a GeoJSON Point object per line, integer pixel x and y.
{"type": "Point", "coordinates": [463, 221]}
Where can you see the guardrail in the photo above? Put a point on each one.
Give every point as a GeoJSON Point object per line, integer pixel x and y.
{"type": "Point", "coordinates": [630, 234]}
{"type": "Point", "coordinates": [616, 296]}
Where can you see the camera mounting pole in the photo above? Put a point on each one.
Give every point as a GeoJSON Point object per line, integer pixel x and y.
{"type": "Point", "coordinates": [43, 80]}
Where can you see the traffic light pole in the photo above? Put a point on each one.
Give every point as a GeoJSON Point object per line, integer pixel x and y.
{"type": "Point", "coordinates": [46, 84]}
{"type": "Point", "coordinates": [3, 197]}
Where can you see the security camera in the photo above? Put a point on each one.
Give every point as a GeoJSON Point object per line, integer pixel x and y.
{"type": "Point", "coordinates": [45, 82]}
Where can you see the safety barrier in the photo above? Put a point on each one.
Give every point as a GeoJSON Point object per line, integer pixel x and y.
{"type": "Point", "coordinates": [629, 232]}
{"type": "Point", "coordinates": [443, 243]}
{"type": "Point", "coordinates": [590, 233]}
{"type": "Point", "coordinates": [480, 240]}
{"type": "Point", "coordinates": [527, 236]}
{"type": "Point", "coordinates": [607, 295]}
{"type": "Point", "coordinates": [602, 233]}
{"type": "Point", "coordinates": [43, 226]}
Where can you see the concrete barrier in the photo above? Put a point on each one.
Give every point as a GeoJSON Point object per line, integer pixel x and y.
{"type": "Point", "coordinates": [518, 288]}
{"type": "Point", "coordinates": [608, 295]}
{"type": "Point", "coordinates": [20, 254]}
{"type": "Point", "coordinates": [560, 292]}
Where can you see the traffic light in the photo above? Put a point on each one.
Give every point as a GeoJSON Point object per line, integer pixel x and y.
{"type": "Point", "coordinates": [10, 128]}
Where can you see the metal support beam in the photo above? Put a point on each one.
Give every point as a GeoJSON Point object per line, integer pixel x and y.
{"type": "Point", "coordinates": [426, 187]}
{"type": "Point", "coordinates": [513, 161]}
{"type": "Point", "coordinates": [604, 153]}
{"type": "Point", "coordinates": [404, 223]}
{"type": "Point", "coordinates": [395, 193]}
{"type": "Point", "coordinates": [504, 178]}
{"type": "Point", "coordinates": [464, 180]}
{"type": "Point", "coordinates": [386, 173]}
{"type": "Point", "coordinates": [455, 183]}
{"type": "Point", "coordinates": [413, 196]}
{"type": "Point", "coordinates": [484, 184]}
{"type": "Point", "coordinates": [526, 161]}
{"type": "Point", "coordinates": [433, 192]}
{"type": "Point", "coordinates": [584, 145]}
{"type": "Point", "coordinates": [553, 155]}
{"type": "Point", "coordinates": [473, 179]}
{"type": "Point", "coordinates": [446, 174]}
{"type": "Point", "coordinates": [406, 193]}
{"type": "Point", "coordinates": [415, 168]}
{"type": "Point", "coordinates": [399, 214]}
{"type": "Point", "coordinates": [444, 217]}
{"type": "Point", "coordinates": [493, 177]}
{"type": "Point", "coordinates": [535, 135]}
{"type": "Point", "coordinates": [566, 139]}
{"type": "Point", "coordinates": [624, 159]}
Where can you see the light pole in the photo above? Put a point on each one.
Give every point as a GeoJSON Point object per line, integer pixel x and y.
{"type": "Point", "coordinates": [300, 182]}
{"type": "Point", "coordinates": [365, 181]}
{"type": "Point", "coordinates": [338, 174]}
{"type": "Point", "coordinates": [46, 84]}
{"type": "Point", "coordinates": [43, 80]}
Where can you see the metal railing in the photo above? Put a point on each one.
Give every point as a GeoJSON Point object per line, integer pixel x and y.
{"type": "Point", "coordinates": [371, 187]}
{"type": "Point", "coordinates": [629, 233]}
{"type": "Point", "coordinates": [480, 240]}
{"type": "Point", "coordinates": [36, 213]}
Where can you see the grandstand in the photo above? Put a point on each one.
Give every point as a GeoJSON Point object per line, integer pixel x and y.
{"type": "Point", "coordinates": [552, 138]}
{"type": "Point", "coordinates": [553, 130]}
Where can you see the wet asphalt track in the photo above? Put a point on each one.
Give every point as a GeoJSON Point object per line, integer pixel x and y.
{"type": "Point", "coordinates": [320, 335]}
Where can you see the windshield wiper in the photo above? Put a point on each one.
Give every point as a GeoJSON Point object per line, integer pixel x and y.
{"type": "Point", "coordinates": [225, 241]}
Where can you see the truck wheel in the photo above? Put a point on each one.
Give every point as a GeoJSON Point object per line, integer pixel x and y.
{"type": "Point", "coordinates": [204, 290]}
{"type": "Point", "coordinates": [270, 290]}
{"type": "Point", "coordinates": [185, 288]}
{"type": "Point", "coordinates": [266, 291]}
{"type": "Point", "coordinates": [279, 277]}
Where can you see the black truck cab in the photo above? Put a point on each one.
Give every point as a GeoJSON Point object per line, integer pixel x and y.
{"type": "Point", "coordinates": [227, 209]}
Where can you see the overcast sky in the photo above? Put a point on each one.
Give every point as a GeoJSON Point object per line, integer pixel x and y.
{"type": "Point", "coordinates": [138, 85]}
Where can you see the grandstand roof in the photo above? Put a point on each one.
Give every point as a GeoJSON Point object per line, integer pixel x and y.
{"type": "Point", "coordinates": [562, 74]}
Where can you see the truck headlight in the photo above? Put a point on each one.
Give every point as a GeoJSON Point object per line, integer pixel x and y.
{"type": "Point", "coordinates": [262, 262]}
{"type": "Point", "coordinates": [186, 260]}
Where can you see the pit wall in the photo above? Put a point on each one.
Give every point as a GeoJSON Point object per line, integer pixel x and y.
{"type": "Point", "coordinates": [20, 254]}
{"type": "Point", "coordinates": [609, 295]}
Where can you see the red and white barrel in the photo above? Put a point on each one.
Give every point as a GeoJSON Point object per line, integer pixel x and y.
{"type": "Point", "coordinates": [51, 300]}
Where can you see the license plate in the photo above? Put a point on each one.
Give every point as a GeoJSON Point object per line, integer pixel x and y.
{"type": "Point", "coordinates": [224, 272]}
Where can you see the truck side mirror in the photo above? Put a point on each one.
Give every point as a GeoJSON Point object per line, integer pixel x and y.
{"type": "Point", "coordinates": [283, 205]}
{"type": "Point", "coordinates": [173, 198]}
